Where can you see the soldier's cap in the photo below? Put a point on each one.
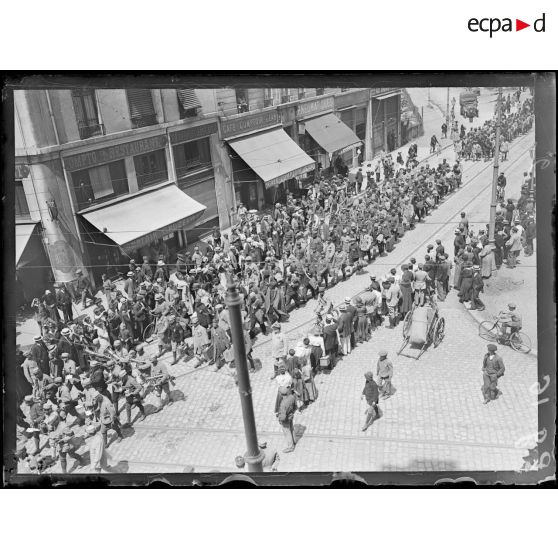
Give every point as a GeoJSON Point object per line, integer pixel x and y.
{"type": "Point", "coordinates": [37, 338]}
{"type": "Point", "coordinates": [281, 367]}
{"type": "Point", "coordinates": [110, 363]}
{"type": "Point", "coordinates": [506, 222]}
{"type": "Point", "coordinates": [158, 296]}
{"type": "Point", "coordinates": [160, 263]}
{"type": "Point", "coordinates": [132, 261]}
{"type": "Point", "coordinates": [93, 363]}
{"type": "Point", "coordinates": [91, 428]}
{"type": "Point", "coordinates": [512, 305]}
{"type": "Point", "coordinates": [329, 317]}
{"type": "Point", "coordinates": [456, 231]}
{"type": "Point", "coordinates": [348, 299]}
{"type": "Point", "coordinates": [382, 353]}
{"type": "Point", "coordinates": [64, 355]}
{"type": "Point", "coordinates": [262, 445]}
{"type": "Point", "coordinates": [476, 267]}
{"type": "Point", "coordinates": [28, 399]}
{"type": "Point", "coordinates": [58, 380]}
{"type": "Point", "coordinates": [343, 307]}
{"type": "Point", "coordinates": [372, 276]}
{"type": "Point", "coordinates": [239, 461]}
{"type": "Point", "coordinates": [491, 347]}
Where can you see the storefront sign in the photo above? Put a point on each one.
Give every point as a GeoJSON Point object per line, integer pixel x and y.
{"type": "Point", "coordinates": [314, 106]}
{"type": "Point", "coordinates": [249, 123]}
{"type": "Point", "coordinates": [289, 175]}
{"type": "Point", "coordinates": [190, 134]}
{"type": "Point", "coordinates": [155, 236]}
{"type": "Point", "coordinates": [21, 172]}
{"type": "Point", "coordinates": [114, 153]}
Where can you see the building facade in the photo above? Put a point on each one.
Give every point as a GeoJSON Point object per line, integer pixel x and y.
{"type": "Point", "coordinates": [106, 175]}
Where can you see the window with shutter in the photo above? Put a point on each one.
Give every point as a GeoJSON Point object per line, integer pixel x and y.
{"type": "Point", "coordinates": [142, 111]}
{"type": "Point", "coordinates": [87, 116]}
{"type": "Point", "coordinates": [188, 103]}
{"type": "Point", "coordinates": [191, 156]}
{"type": "Point", "coordinates": [21, 206]}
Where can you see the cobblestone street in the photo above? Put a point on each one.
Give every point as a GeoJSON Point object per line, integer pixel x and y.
{"type": "Point", "coordinates": [434, 421]}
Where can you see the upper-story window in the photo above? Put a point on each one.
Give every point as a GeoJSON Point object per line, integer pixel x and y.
{"type": "Point", "coordinates": [268, 97]}
{"type": "Point", "coordinates": [188, 103]}
{"type": "Point", "coordinates": [100, 183]}
{"type": "Point", "coordinates": [319, 90]}
{"type": "Point", "coordinates": [85, 107]}
{"type": "Point", "coordinates": [285, 95]}
{"type": "Point", "coordinates": [242, 100]}
{"type": "Point", "coordinates": [301, 92]}
{"type": "Point", "coordinates": [151, 168]}
{"type": "Point", "coordinates": [142, 111]}
{"type": "Point", "coordinates": [191, 156]}
{"type": "Point", "coordinates": [21, 206]}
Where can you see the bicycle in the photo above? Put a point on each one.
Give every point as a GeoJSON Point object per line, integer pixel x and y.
{"type": "Point", "coordinates": [492, 330]}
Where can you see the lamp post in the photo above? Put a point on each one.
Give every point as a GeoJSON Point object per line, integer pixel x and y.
{"type": "Point", "coordinates": [492, 225]}
{"type": "Point", "coordinates": [253, 456]}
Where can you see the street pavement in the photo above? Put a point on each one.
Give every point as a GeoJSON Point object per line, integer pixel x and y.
{"type": "Point", "coordinates": [436, 420]}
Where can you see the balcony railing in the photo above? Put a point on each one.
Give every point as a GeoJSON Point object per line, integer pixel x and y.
{"type": "Point", "coordinates": [90, 128]}
{"type": "Point", "coordinates": [144, 120]}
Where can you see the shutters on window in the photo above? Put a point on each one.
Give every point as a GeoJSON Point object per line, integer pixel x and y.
{"type": "Point", "coordinates": [188, 99]}
{"type": "Point", "coordinates": [142, 111]}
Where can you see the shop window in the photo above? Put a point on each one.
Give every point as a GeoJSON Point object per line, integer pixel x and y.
{"type": "Point", "coordinates": [188, 103]}
{"type": "Point", "coordinates": [191, 156]}
{"type": "Point", "coordinates": [242, 100]}
{"type": "Point", "coordinates": [319, 90]}
{"type": "Point", "coordinates": [85, 107]}
{"type": "Point", "coordinates": [268, 97]}
{"type": "Point", "coordinates": [100, 183]}
{"type": "Point", "coordinates": [21, 206]}
{"type": "Point", "coordinates": [151, 168]}
{"type": "Point", "coordinates": [142, 111]}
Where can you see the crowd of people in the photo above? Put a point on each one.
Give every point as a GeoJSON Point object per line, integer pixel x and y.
{"type": "Point", "coordinates": [85, 369]}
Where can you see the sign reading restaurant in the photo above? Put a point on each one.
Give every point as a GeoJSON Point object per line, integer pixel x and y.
{"type": "Point", "coordinates": [314, 106]}
{"type": "Point", "coordinates": [248, 124]}
{"type": "Point", "coordinates": [109, 154]}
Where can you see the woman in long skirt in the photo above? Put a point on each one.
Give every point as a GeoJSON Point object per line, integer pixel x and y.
{"type": "Point", "coordinates": [406, 286]}
{"type": "Point", "coordinates": [466, 287]}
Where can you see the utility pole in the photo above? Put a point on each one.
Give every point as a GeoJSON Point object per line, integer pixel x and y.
{"type": "Point", "coordinates": [496, 167]}
{"type": "Point", "coordinates": [253, 456]}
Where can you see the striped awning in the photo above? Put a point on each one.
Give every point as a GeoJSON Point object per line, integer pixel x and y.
{"type": "Point", "coordinates": [188, 99]}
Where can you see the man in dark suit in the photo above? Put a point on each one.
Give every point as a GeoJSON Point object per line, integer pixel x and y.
{"type": "Point", "coordinates": [331, 344]}
{"type": "Point", "coordinates": [352, 312]}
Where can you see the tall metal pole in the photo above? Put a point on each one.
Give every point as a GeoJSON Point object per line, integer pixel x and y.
{"type": "Point", "coordinates": [496, 167]}
{"type": "Point", "coordinates": [253, 456]}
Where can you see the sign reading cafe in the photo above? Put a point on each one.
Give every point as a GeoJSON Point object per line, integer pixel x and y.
{"type": "Point", "coordinates": [249, 123]}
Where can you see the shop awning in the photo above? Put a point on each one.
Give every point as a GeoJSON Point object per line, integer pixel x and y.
{"type": "Point", "coordinates": [23, 235]}
{"type": "Point", "coordinates": [146, 218]}
{"type": "Point", "coordinates": [273, 156]}
{"type": "Point", "coordinates": [331, 133]}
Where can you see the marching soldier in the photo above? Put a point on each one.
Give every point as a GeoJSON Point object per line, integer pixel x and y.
{"type": "Point", "coordinates": [67, 446]}
{"type": "Point", "coordinates": [132, 391]}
